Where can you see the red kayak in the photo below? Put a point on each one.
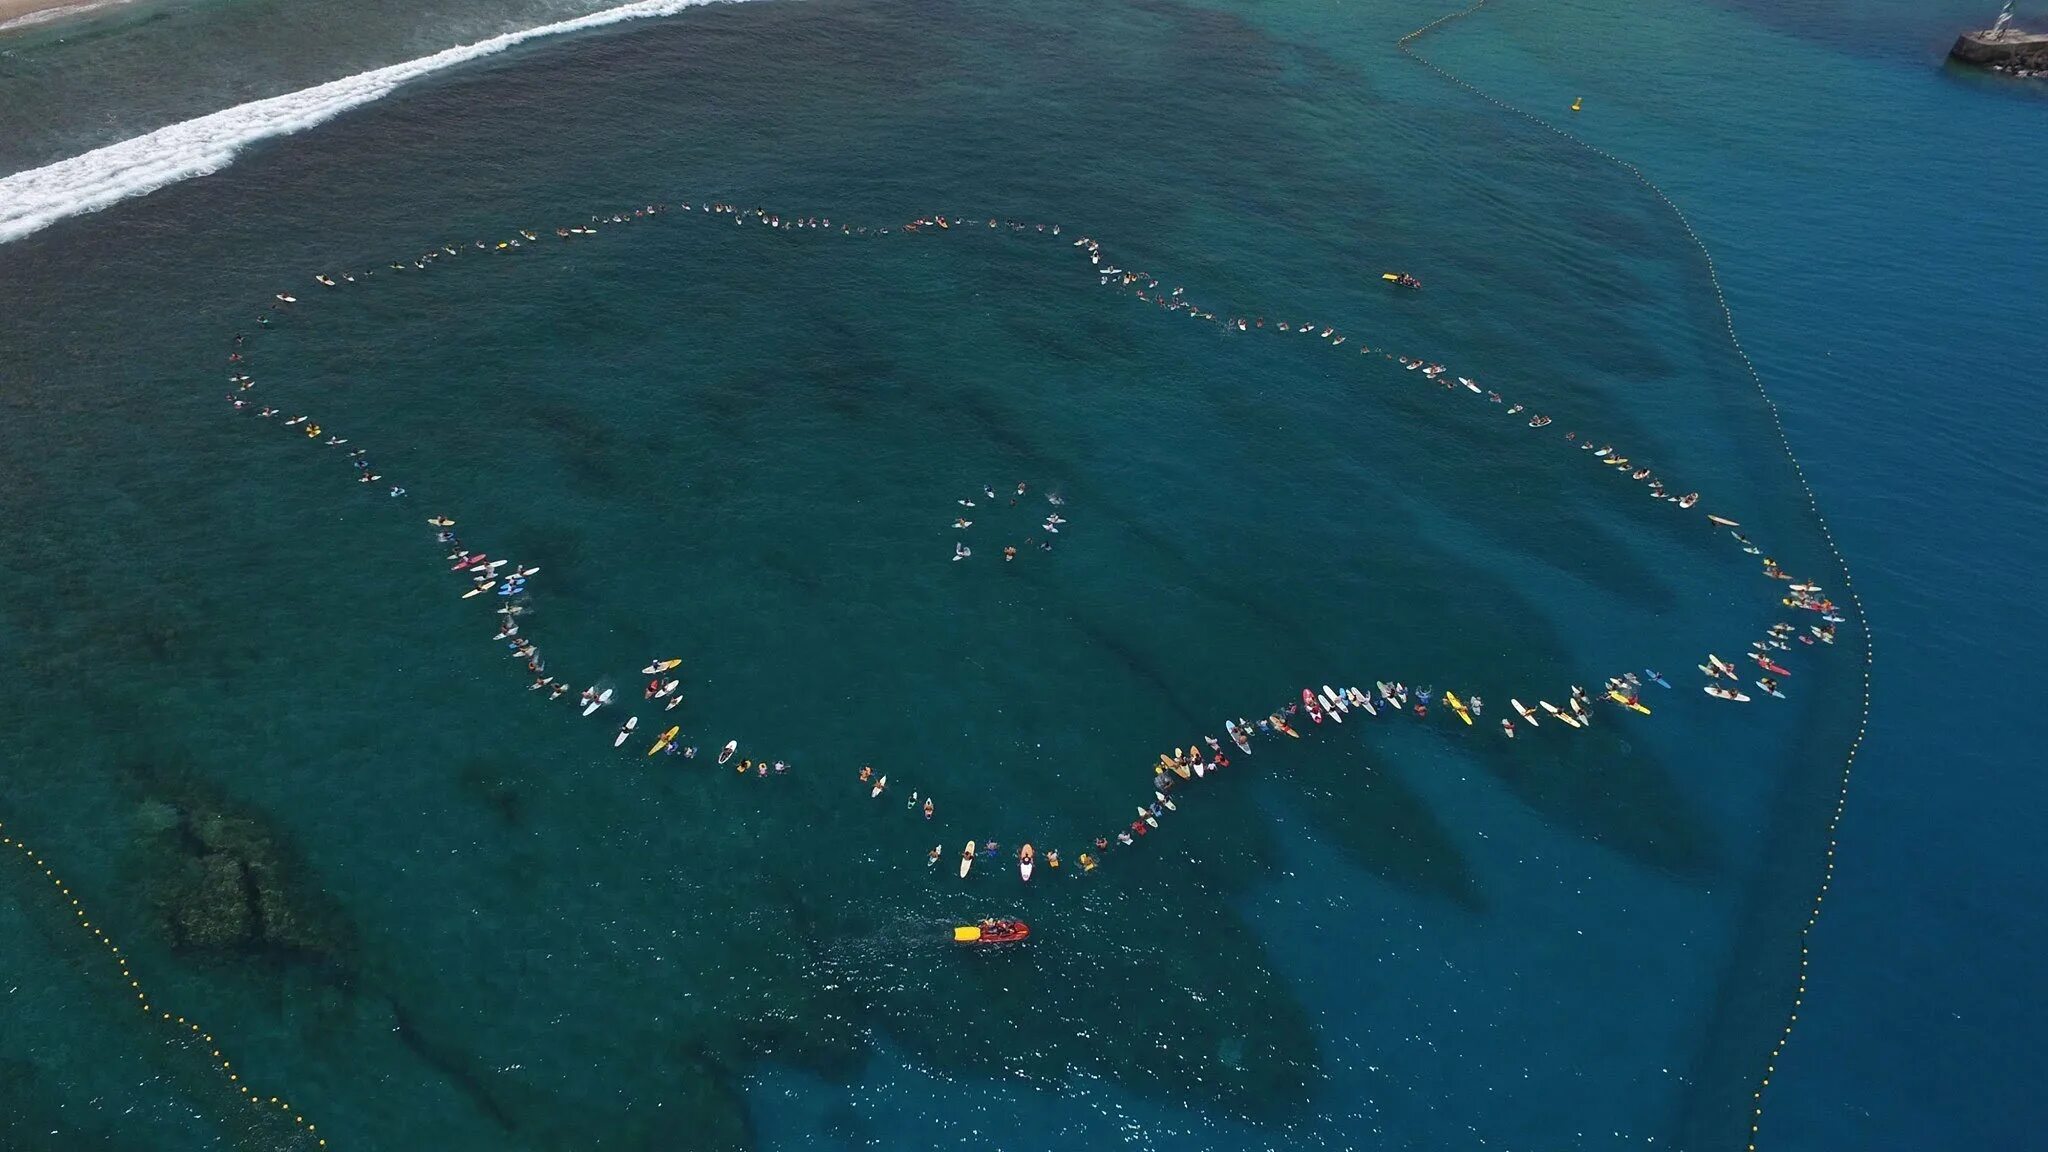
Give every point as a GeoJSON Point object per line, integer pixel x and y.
{"type": "Point", "coordinates": [1773, 669]}
{"type": "Point", "coordinates": [1308, 701]}
{"type": "Point", "coordinates": [992, 932]}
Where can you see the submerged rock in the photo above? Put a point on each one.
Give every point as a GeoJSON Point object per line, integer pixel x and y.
{"type": "Point", "coordinates": [220, 881]}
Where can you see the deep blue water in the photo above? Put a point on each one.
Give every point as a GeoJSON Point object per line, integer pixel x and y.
{"type": "Point", "coordinates": [743, 446]}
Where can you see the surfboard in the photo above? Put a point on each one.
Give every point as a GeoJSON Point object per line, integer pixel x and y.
{"type": "Point", "coordinates": [479, 589]}
{"type": "Point", "coordinates": [966, 859]}
{"type": "Point", "coordinates": [659, 666]}
{"type": "Point", "coordinates": [725, 753]}
{"type": "Point", "coordinates": [603, 698]}
{"type": "Point", "coordinates": [625, 730]}
{"type": "Point", "coordinates": [667, 738]}
{"type": "Point", "coordinates": [879, 785]}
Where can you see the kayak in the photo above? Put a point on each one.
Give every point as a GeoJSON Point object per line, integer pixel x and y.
{"type": "Point", "coordinates": [966, 859]}
{"type": "Point", "coordinates": [1308, 701]}
{"type": "Point", "coordinates": [1026, 859]}
{"type": "Point", "coordinates": [1659, 679]}
{"type": "Point", "coordinates": [667, 738]}
{"type": "Point", "coordinates": [590, 707]}
{"type": "Point", "coordinates": [1724, 521]}
{"type": "Point", "coordinates": [725, 753]}
{"type": "Point", "coordinates": [1524, 713]}
{"type": "Point", "coordinates": [1458, 706]}
{"type": "Point", "coordinates": [625, 730]}
{"type": "Point", "coordinates": [660, 666]}
{"type": "Point", "coordinates": [1724, 693]}
{"type": "Point", "coordinates": [879, 785]}
{"type": "Point", "coordinates": [1765, 661]}
{"type": "Point", "coordinates": [999, 931]}
{"type": "Point", "coordinates": [1772, 691]}
{"type": "Point", "coordinates": [1237, 736]}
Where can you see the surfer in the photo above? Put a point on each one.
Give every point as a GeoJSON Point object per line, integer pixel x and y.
{"type": "Point", "coordinates": [961, 551]}
{"type": "Point", "coordinates": [928, 808]}
{"type": "Point", "coordinates": [867, 773]}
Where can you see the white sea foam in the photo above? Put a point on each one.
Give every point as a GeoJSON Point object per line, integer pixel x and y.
{"type": "Point", "coordinates": [93, 180]}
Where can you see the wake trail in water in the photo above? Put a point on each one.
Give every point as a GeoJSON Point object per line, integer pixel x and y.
{"type": "Point", "coordinates": [34, 199]}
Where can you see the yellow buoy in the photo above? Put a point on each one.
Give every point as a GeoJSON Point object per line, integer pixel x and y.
{"type": "Point", "coordinates": [1576, 100]}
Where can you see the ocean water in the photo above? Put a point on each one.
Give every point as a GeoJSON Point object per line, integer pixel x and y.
{"type": "Point", "coordinates": [476, 926]}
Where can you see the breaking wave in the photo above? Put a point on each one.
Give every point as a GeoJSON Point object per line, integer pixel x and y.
{"type": "Point", "coordinates": [90, 181]}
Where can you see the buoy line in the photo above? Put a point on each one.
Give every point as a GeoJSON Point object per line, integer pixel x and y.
{"type": "Point", "coordinates": [1848, 580]}
{"type": "Point", "coordinates": [509, 581]}
{"type": "Point", "coordinates": [188, 1032]}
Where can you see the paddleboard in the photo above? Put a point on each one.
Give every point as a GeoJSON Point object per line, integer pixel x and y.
{"type": "Point", "coordinates": [1458, 706]}
{"type": "Point", "coordinates": [1724, 694]}
{"type": "Point", "coordinates": [1237, 737]}
{"type": "Point", "coordinates": [966, 859]}
{"type": "Point", "coordinates": [1724, 521]}
{"type": "Point", "coordinates": [625, 730]}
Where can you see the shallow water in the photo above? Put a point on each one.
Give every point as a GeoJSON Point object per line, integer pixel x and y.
{"type": "Point", "coordinates": [744, 447]}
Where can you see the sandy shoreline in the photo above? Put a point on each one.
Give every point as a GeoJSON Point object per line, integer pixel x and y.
{"type": "Point", "coordinates": [18, 14]}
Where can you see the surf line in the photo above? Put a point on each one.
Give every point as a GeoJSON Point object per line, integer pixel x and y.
{"type": "Point", "coordinates": [484, 573]}
{"type": "Point", "coordinates": [1827, 875]}
{"type": "Point", "coordinates": [189, 1029]}
{"type": "Point", "coordinates": [38, 197]}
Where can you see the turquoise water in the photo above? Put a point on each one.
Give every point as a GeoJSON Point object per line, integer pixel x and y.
{"type": "Point", "coordinates": [744, 446]}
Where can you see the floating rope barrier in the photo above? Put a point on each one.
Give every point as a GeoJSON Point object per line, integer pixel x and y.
{"type": "Point", "coordinates": [1813, 504]}
{"type": "Point", "coordinates": [188, 1031]}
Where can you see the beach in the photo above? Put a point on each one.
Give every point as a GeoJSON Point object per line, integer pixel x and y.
{"type": "Point", "coordinates": [20, 14]}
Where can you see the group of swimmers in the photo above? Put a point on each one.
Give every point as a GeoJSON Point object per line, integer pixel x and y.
{"type": "Point", "coordinates": [1053, 520]}
{"type": "Point", "coordinates": [1173, 770]}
